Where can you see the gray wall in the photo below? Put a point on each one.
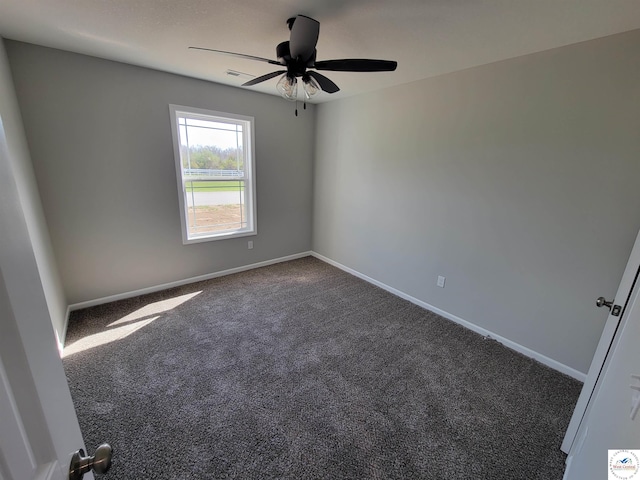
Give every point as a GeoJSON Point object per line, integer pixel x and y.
{"type": "Point", "coordinates": [18, 171]}
{"type": "Point", "coordinates": [100, 140]}
{"type": "Point", "coordinates": [518, 181]}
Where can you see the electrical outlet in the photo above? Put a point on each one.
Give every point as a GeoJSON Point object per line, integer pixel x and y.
{"type": "Point", "coordinates": [441, 281]}
{"type": "Point", "coordinates": [250, 244]}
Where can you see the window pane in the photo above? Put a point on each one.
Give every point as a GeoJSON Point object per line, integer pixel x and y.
{"type": "Point", "coordinates": [215, 206]}
{"type": "Point", "coordinates": [211, 149]}
{"type": "Point", "coordinates": [215, 167]}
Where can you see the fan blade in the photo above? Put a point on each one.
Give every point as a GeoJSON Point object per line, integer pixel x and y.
{"type": "Point", "coordinates": [263, 78]}
{"type": "Point", "coordinates": [356, 65]}
{"type": "Point", "coordinates": [304, 37]}
{"type": "Point", "coordinates": [325, 84]}
{"type": "Point", "coordinates": [241, 55]}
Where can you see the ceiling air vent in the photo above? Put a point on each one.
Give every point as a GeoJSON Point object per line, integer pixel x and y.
{"type": "Point", "coordinates": [235, 73]}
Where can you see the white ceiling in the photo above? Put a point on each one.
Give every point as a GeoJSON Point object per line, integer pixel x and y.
{"type": "Point", "coordinates": [426, 37]}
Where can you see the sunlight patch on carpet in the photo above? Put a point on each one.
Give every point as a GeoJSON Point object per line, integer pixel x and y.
{"type": "Point", "coordinates": [155, 308]}
{"type": "Point", "coordinates": [105, 337]}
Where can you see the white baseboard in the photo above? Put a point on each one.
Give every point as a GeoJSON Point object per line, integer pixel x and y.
{"type": "Point", "coordinates": [62, 338]}
{"type": "Point", "coordinates": [454, 318]}
{"type": "Point", "coordinates": [178, 283]}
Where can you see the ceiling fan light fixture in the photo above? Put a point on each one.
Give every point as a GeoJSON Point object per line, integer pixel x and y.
{"type": "Point", "coordinates": [310, 86]}
{"type": "Point", "coordinates": [288, 87]}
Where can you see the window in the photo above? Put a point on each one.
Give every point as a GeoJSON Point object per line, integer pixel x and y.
{"type": "Point", "coordinates": [215, 172]}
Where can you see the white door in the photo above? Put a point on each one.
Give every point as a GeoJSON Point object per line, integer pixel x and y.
{"type": "Point", "coordinates": [608, 423]}
{"type": "Point", "coordinates": [614, 323]}
{"type": "Point", "coordinates": [38, 423]}
{"type": "Point", "coordinates": [38, 426]}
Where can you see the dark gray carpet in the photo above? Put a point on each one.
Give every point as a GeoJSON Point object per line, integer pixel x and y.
{"type": "Point", "coordinates": [301, 371]}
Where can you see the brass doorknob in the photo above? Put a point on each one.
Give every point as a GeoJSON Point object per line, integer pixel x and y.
{"type": "Point", "coordinates": [99, 463]}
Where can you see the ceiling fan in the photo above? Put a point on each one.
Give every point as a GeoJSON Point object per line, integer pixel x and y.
{"type": "Point", "coordinates": [298, 55]}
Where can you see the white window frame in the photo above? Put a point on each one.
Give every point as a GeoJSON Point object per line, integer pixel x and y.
{"type": "Point", "coordinates": [248, 141]}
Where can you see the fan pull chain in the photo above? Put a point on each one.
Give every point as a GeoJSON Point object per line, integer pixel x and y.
{"type": "Point", "coordinates": [304, 106]}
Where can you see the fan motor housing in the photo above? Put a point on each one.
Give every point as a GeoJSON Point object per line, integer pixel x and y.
{"type": "Point", "coordinates": [295, 68]}
{"type": "Point", "coordinates": [283, 53]}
